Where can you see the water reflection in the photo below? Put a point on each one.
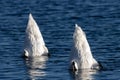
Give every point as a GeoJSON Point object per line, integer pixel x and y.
{"type": "Point", "coordinates": [84, 74]}
{"type": "Point", "coordinates": [36, 66]}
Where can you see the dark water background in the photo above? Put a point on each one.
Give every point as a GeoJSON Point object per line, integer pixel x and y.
{"type": "Point", "coordinates": [100, 19]}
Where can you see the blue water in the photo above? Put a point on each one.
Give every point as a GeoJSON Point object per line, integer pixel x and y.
{"type": "Point", "coordinates": [100, 19]}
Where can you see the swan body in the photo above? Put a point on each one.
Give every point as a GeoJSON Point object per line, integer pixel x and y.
{"type": "Point", "coordinates": [34, 43]}
{"type": "Point", "coordinates": [81, 56]}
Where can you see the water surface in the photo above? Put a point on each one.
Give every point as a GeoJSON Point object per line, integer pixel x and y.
{"type": "Point", "coordinates": [56, 19]}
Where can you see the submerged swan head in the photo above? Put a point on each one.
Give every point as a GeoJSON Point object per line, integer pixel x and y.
{"type": "Point", "coordinates": [81, 56]}
{"type": "Point", "coordinates": [34, 43]}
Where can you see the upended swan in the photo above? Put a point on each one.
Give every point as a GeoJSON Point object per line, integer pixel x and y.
{"type": "Point", "coordinates": [34, 43]}
{"type": "Point", "coordinates": [81, 56]}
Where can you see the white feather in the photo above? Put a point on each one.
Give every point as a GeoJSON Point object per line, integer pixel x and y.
{"type": "Point", "coordinates": [81, 53]}
{"type": "Point", "coordinates": [34, 43]}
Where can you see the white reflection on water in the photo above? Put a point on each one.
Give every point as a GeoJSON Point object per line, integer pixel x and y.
{"type": "Point", "coordinates": [36, 66]}
{"type": "Point", "coordinates": [85, 74]}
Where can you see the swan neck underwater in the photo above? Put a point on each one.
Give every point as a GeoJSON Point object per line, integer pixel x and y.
{"type": "Point", "coordinates": [34, 43]}
{"type": "Point", "coordinates": [81, 56]}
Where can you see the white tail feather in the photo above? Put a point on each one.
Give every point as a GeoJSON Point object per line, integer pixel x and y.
{"type": "Point", "coordinates": [34, 43]}
{"type": "Point", "coordinates": [81, 52]}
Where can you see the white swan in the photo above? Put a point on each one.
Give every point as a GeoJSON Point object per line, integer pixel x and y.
{"type": "Point", "coordinates": [34, 43]}
{"type": "Point", "coordinates": [81, 56]}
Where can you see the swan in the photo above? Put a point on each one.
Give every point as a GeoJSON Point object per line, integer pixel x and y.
{"type": "Point", "coordinates": [34, 43]}
{"type": "Point", "coordinates": [81, 56]}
